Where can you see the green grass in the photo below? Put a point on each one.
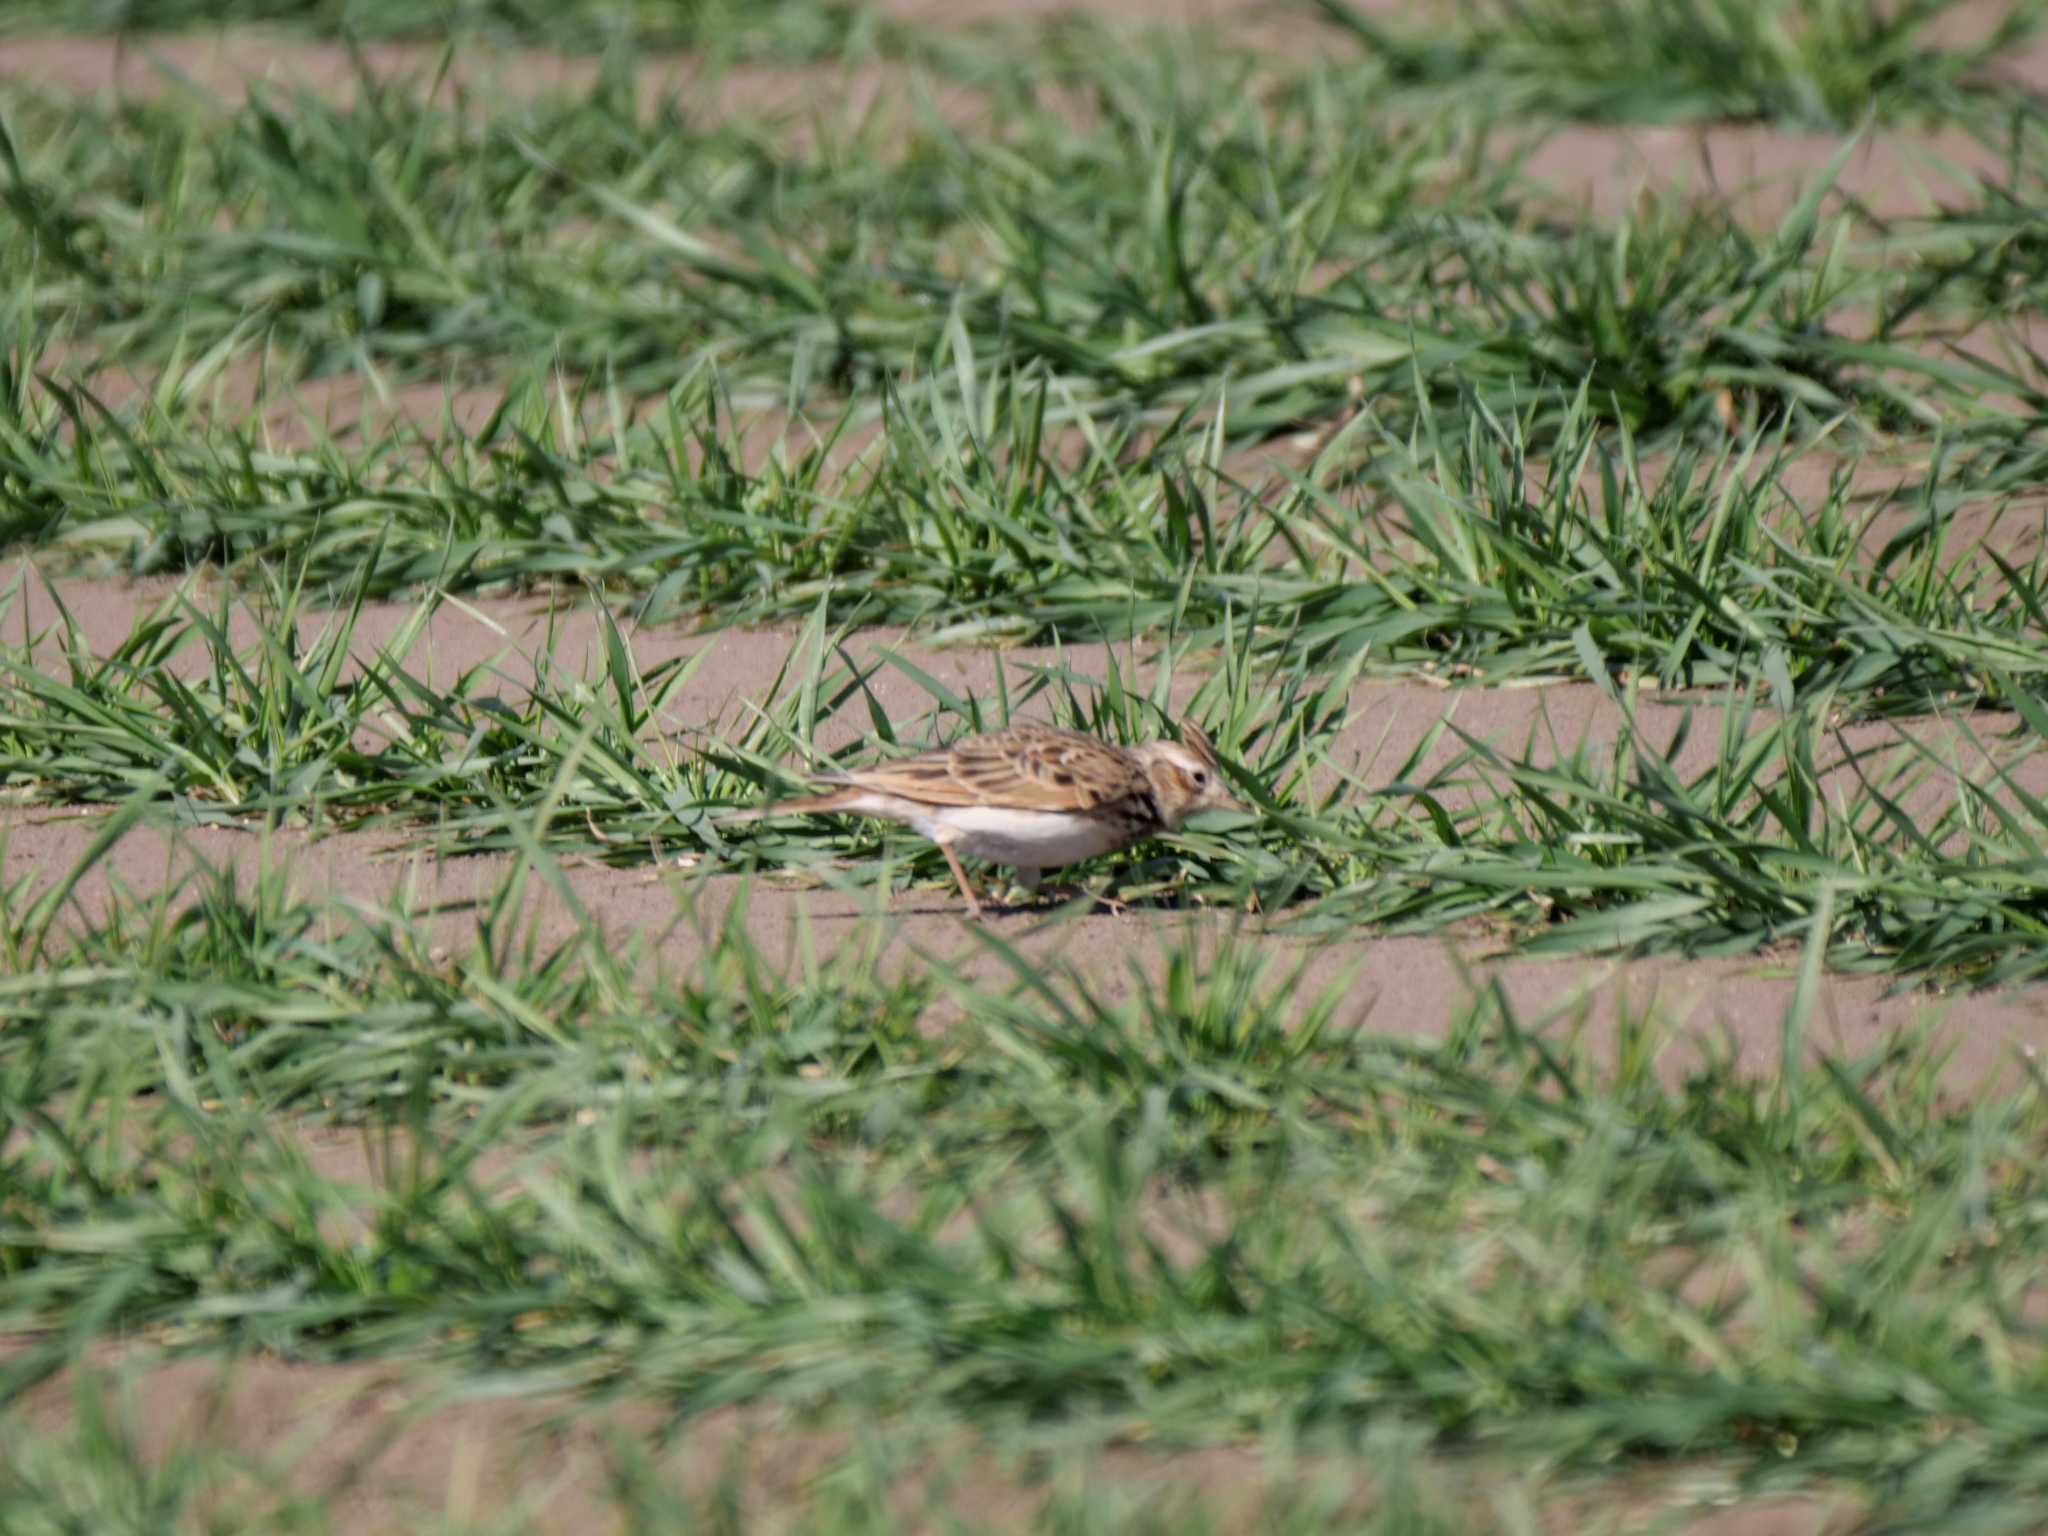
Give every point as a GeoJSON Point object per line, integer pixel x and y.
{"type": "Point", "coordinates": [1134, 257]}
{"type": "Point", "coordinates": [1454, 546]}
{"type": "Point", "coordinates": [1225, 1205]}
{"type": "Point", "coordinates": [891, 1478]}
{"type": "Point", "coordinates": [1286, 234]}
{"type": "Point", "coordinates": [1061, 333]}
{"type": "Point", "coordinates": [774, 28]}
{"type": "Point", "coordinates": [1816, 63]}
{"type": "Point", "coordinates": [1280, 376]}
{"type": "Point", "coordinates": [1928, 857]}
{"type": "Point", "coordinates": [1822, 64]}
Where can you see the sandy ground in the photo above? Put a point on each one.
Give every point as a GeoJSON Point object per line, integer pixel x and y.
{"type": "Point", "coordinates": [1895, 172]}
{"type": "Point", "coordinates": [378, 1449]}
{"type": "Point", "coordinates": [1416, 987]}
{"type": "Point", "coordinates": [496, 647]}
{"type": "Point", "coordinates": [1420, 985]}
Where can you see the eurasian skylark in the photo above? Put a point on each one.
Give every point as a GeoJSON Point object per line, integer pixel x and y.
{"type": "Point", "coordinates": [1031, 796]}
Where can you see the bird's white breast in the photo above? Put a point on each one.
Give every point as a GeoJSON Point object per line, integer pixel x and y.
{"type": "Point", "coordinates": [1029, 839]}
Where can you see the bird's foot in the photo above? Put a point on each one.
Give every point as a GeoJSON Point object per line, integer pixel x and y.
{"type": "Point", "coordinates": [1064, 895]}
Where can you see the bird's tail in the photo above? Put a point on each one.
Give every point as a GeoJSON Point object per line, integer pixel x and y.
{"type": "Point", "coordinates": [809, 805]}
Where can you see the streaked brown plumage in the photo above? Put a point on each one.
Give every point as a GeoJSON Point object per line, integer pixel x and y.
{"type": "Point", "coordinates": [1030, 795]}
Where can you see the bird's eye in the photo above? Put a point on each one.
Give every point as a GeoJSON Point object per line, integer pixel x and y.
{"type": "Point", "coordinates": [1201, 778]}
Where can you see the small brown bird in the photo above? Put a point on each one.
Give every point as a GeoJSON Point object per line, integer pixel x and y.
{"type": "Point", "coordinates": [1030, 795]}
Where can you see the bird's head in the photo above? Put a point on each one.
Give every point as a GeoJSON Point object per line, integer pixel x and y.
{"type": "Point", "coordinates": [1185, 776]}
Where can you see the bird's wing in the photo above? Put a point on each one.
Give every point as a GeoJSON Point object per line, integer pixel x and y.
{"type": "Point", "coordinates": [1024, 767]}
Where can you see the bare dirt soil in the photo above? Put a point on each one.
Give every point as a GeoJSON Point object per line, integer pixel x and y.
{"type": "Point", "coordinates": [1757, 171]}
{"type": "Point", "coordinates": [1895, 171]}
{"type": "Point", "coordinates": [1424, 983]}
{"type": "Point", "coordinates": [1419, 987]}
{"type": "Point", "coordinates": [501, 645]}
{"type": "Point", "coordinates": [378, 1449]}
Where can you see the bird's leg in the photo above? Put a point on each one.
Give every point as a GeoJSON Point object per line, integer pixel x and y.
{"type": "Point", "coordinates": [973, 901]}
